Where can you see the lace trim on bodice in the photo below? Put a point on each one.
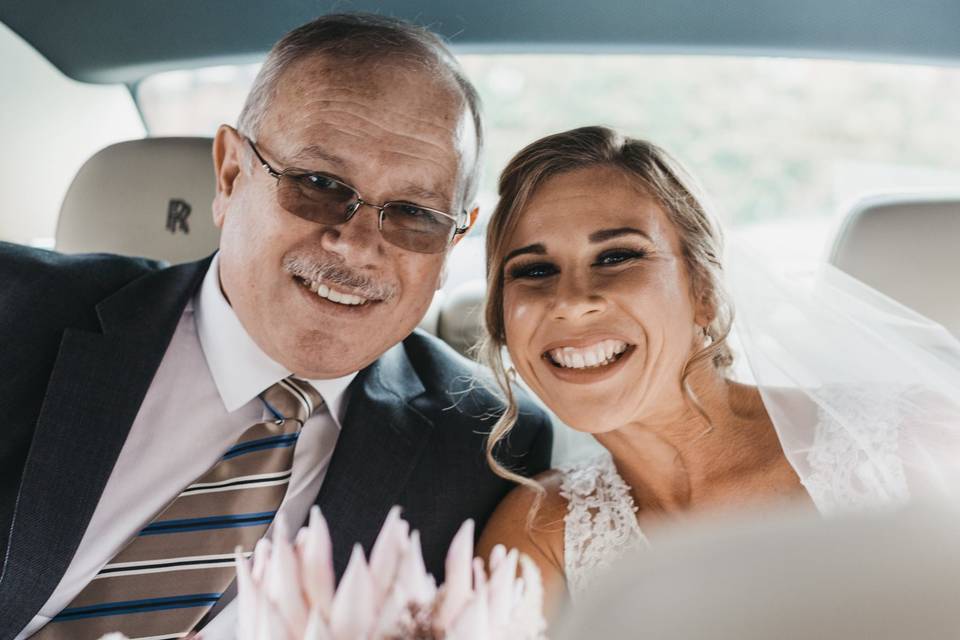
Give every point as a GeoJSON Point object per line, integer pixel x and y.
{"type": "Point", "coordinates": [600, 524]}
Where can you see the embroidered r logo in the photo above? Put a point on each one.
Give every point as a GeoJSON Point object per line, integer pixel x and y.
{"type": "Point", "coordinates": [177, 213]}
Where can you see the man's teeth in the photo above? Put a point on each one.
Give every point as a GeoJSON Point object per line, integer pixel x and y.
{"type": "Point", "coordinates": [597, 355]}
{"type": "Point", "coordinates": [333, 295]}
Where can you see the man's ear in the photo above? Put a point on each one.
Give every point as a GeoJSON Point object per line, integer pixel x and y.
{"type": "Point", "coordinates": [227, 158]}
{"type": "Point", "coordinates": [471, 220]}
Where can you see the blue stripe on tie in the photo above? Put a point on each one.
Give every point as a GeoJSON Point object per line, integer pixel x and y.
{"type": "Point", "coordinates": [211, 522]}
{"type": "Point", "coordinates": [137, 606]}
{"type": "Point", "coordinates": [273, 442]}
{"type": "Point", "coordinates": [272, 409]}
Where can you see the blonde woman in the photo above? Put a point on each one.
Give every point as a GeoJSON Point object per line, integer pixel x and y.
{"type": "Point", "coordinates": [606, 296]}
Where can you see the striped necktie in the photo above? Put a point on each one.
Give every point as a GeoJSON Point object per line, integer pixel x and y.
{"type": "Point", "coordinates": [164, 581]}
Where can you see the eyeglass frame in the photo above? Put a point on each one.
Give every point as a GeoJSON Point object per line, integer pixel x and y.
{"type": "Point", "coordinates": [458, 228]}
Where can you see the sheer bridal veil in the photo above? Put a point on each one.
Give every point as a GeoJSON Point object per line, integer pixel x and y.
{"type": "Point", "coordinates": [864, 393]}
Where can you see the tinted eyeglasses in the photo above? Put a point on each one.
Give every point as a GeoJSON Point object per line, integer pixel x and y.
{"type": "Point", "coordinates": [325, 200]}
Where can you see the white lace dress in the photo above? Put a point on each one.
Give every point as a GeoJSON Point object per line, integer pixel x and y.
{"type": "Point", "coordinates": [848, 465]}
{"type": "Point", "coordinates": [600, 523]}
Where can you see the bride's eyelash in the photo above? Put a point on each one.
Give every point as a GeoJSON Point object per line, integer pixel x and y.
{"type": "Point", "coordinates": [619, 256]}
{"type": "Point", "coordinates": [541, 269]}
{"type": "Point", "coordinates": [532, 270]}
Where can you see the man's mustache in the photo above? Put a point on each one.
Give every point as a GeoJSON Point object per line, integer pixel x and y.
{"type": "Point", "coordinates": [334, 272]}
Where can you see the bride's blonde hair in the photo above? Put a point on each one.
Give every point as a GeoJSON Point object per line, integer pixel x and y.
{"type": "Point", "coordinates": [655, 173]}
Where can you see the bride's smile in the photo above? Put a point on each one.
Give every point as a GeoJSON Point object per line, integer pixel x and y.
{"type": "Point", "coordinates": [591, 364]}
{"type": "Point", "coordinates": [596, 300]}
{"type": "Point", "coordinates": [598, 355]}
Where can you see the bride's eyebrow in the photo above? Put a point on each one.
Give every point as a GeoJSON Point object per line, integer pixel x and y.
{"type": "Point", "coordinates": [608, 234]}
{"type": "Point", "coordinates": [536, 249]}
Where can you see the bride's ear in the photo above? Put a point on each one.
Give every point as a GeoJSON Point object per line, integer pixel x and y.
{"type": "Point", "coordinates": [704, 311]}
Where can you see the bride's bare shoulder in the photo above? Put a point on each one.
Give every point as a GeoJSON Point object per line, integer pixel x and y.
{"type": "Point", "coordinates": [530, 521]}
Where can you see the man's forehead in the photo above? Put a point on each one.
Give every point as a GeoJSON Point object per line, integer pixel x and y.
{"type": "Point", "coordinates": [411, 100]}
{"type": "Point", "coordinates": [335, 113]}
{"type": "Point", "coordinates": [372, 77]}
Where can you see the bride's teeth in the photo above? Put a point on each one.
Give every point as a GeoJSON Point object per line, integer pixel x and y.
{"type": "Point", "coordinates": [597, 355]}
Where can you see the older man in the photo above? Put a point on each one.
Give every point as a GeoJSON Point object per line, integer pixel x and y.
{"type": "Point", "coordinates": [155, 419]}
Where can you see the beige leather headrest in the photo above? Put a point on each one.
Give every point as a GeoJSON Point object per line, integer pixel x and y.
{"type": "Point", "coordinates": [908, 247]}
{"type": "Point", "coordinates": [147, 197]}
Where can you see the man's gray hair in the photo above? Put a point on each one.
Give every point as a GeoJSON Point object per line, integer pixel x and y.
{"type": "Point", "coordinates": [362, 38]}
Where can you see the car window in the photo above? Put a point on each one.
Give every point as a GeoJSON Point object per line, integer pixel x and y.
{"type": "Point", "coordinates": [770, 138]}
{"type": "Point", "coordinates": [49, 127]}
{"type": "Point", "coordinates": [783, 146]}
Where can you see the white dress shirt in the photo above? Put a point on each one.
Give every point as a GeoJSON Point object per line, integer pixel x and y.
{"type": "Point", "coordinates": [204, 395]}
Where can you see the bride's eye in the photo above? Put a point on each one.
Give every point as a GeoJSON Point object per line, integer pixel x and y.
{"type": "Point", "coordinates": [618, 256]}
{"type": "Point", "coordinates": [532, 271]}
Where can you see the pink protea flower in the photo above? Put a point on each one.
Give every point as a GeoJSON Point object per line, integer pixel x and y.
{"type": "Point", "coordinates": [287, 591]}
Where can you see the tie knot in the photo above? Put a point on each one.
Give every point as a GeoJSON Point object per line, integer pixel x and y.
{"type": "Point", "coordinates": [293, 398]}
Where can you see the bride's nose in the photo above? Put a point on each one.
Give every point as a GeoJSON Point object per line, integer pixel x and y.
{"type": "Point", "coordinates": [576, 298]}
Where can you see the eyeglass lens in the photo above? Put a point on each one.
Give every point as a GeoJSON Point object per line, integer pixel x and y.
{"type": "Point", "coordinates": [323, 200]}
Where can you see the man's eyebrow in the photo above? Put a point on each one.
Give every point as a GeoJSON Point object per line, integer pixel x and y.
{"type": "Point", "coordinates": [316, 152]}
{"type": "Point", "coordinates": [410, 190]}
{"type": "Point", "coordinates": [419, 193]}
{"type": "Point", "coordinates": [536, 249]}
{"type": "Point", "coordinates": [609, 234]}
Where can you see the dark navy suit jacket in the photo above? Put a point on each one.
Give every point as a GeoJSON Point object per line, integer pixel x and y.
{"type": "Point", "coordinates": [81, 338]}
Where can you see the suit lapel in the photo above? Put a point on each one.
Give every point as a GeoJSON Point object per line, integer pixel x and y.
{"type": "Point", "coordinates": [98, 383]}
{"type": "Point", "coordinates": [383, 437]}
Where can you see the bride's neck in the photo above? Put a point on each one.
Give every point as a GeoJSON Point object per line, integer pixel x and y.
{"type": "Point", "coordinates": [682, 455]}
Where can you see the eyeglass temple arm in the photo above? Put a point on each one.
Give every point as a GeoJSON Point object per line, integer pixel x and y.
{"type": "Point", "coordinates": [263, 163]}
{"type": "Point", "coordinates": [462, 229]}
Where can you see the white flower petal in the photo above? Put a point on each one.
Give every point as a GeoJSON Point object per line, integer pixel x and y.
{"type": "Point", "coordinates": [457, 589]}
{"type": "Point", "coordinates": [500, 590]}
{"type": "Point", "coordinates": [246, 598]}
{"type": "Point", "coordinates": [412, 575]}
{"type": "Point", "coordinates": [352, 614]}
{"type": "Point", "coordinates": [387, 552]}
{"type": "Point", "coordinates": [316, 563]}
{"type": "Point", "coordinates": [282, 582]}
{"type": "Point", "coordinates": [317, 628]}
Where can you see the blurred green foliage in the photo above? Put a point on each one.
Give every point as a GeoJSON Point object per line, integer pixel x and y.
{"type": "Point", "coordinates": [768, 138]}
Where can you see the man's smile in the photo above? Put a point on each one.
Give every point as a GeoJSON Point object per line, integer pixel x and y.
{"type": "Point", "coordinates": [334, 295]}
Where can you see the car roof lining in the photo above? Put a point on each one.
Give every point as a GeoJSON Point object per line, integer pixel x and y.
{"type": "Point", "coordinates": [121, 41]}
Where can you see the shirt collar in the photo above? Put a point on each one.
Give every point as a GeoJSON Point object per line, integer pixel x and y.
{"type": "Point", "coordinates": [240, 368]}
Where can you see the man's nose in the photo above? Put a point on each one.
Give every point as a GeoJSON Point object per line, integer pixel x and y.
{"type": "Point", "coordinates": [357, 240]}
{"type": "Point", "coordinates": [575, 299]}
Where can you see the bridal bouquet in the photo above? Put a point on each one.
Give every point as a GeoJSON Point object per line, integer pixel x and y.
{"type": "Point", "coordinates": [288, 592]}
